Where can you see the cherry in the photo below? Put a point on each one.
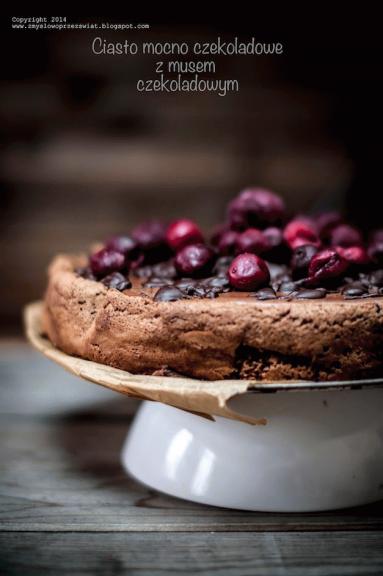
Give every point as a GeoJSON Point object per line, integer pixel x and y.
{"type": "Point", "coordinates": [194, 260]}
{"type": "Point", "coordinates": [124, 244]}
{"type": "Point", "coordinates": [345, 235]}
{"type": "Point", "coordinates": [300, 232]}
{"type": "Point", "coordinates": [217, 233]}
{"type": "Point", "coordinates": [151, 239]}
{"type": "Point", "coordinates": [248, 272]}
{"type": "Point", "coordinates": [326, 221]}
{"type": "Point", "coordinates": [356, 255]}
{"type": "Point", "coordinates": [251, 240]}
{"type": "Point", "coordinates": [273, 236]}
{"type": "Point", "coordinates": [106, 261]}
{"type": "Point", "coordinates": [149, 234]}
{"type": "Point", "coordinates": [228, 242]}
{"type": "Point", "coordinates": [327, 264]}
{"type": "Point", "coordinates": [183, 232]}
{"type": "Point", "coordinates": [255, 207]}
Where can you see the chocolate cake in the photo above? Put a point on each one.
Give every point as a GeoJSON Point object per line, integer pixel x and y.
{"type": "Point", "coordinates": [265, 299]}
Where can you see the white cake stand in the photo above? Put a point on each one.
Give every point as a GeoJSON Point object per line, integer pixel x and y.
{"type": "Point", "coordinates": [321, 449]}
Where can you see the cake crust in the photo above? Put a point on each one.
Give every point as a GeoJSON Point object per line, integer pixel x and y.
{"type": "Point", "coordinates": [232, 336]}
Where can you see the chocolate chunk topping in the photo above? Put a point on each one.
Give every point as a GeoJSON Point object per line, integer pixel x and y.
{"type": "Point", "coordinates": [185, 283]}
{"type": "Point", "coordinates": [301, 259]}
{"type": "Point", "coordinates": [278, 272]}
{"type": "Point", "coordinates": [85, 272]}
{"type": "Point", "coordinates": [287, 287]}
{"type": "Point", "coordinates": [143, 272]}
{"type": "Point", "coordinates": [156, 282]}
{"type": "Point", "coordinates": [311, 294]}
{"type": "Point", "coordinates": [220, 282]}
{"type": "Point", "coordinates": [164, 270]}
{"type": "Point", "coordinates": [376, 278]}
{"type": "Point", "coordinates": [222, 265]}
{"type": "Point", "coordinates": [266, 294]}
{"type": "Point", "coordinates": [195, 290]}
{"type": "Point", "coordinates": [354, 290]}
{"type": "Point", "coordinates": [168, 294]}
{"type": "Point", "coordinates": [116, 280]}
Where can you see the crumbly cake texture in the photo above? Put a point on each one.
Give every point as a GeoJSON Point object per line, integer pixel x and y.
{"type": "Point", "coordinates": [232, 336]}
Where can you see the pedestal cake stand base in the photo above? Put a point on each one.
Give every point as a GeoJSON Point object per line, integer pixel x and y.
{"type": "Point", "coordinates": [320, 450]}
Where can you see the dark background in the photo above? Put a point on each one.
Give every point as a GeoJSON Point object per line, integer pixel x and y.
{"type": "Point", "coordinates": [84, 155]}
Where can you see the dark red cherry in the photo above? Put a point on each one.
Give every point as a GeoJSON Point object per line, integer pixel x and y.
{"type": "Point", "coordinates": [251, 240]}
{"type": "Point", "coordinates": [300, 232]}
{"type": "Point", "coordinates": [273, 236]}
{"type": "Point", "coordinates": [255, 207]}
{"type": "Point", "coordinates": [194, 260]}
{"type": "Point", "coordinates": [106, 261]}
{"type": "Point", "coordinates": [248, 272]}
{"type": "Point", "coordinates": [149, 234]}
{"type": "Point", "coordinates": [217, 232]}
{"type": "Point", "coordinates": [354, 255]}
{"type": "Point", "coordinates": [277, 249]}
{"type": "Point", "coordinates": [183, 232]}
{"type": "Point", "coordinates": [326, 221]}
{"type": "Point", "coordinates": [227, 243]}
{"type": "Point", "coordinates": [327, 264]}
{"type": "Point", "coordinates": [151, 240]}
{"type": "Point", "coordinates": [124, 244]}
{"type": "Point", "coordinates": [345, 235]}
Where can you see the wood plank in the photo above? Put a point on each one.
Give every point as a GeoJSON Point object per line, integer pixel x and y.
{"type": "Point", "coordinates": [229, 554]}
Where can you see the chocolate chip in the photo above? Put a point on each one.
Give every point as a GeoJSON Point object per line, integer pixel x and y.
{"type": "Point", "coordinates": [222, 265]}
{"type": "Point", "coordinates": [85, 272]}
{"type": "Point", "coordinates": [184, 283]}
{"type": "Point", "coordinates": [196, 290]}
{"type": "Point", "coordinates": [301, 259]}
{"type": "Point", "coordinates": [278, 272]}
{"type": "Point", "coordinates": [376, 278]}
{"type": "Point", "coordinates": [168, 294]}
{"type": "Point", "coordinates": [375, 290]}
{"type": "Point", "coordinates": [156, 282]}
{"type": "Point", "coordinates": [266, 294]}
{"type": "Point", "coordinates": [312, 294]}
{"type": "Point", "coordinates": [212, 293]}
{"type": "Point", "coordinates": [354, 290]}
{"type": "Point", "coordinates": [164, 270]}
{"type": "Point", "coordinates": [287, 287]}
{"type": "Point", "coordinates": [220, 282]}
{"type": "Point", "coordinates": [116, 280]}
{"type": "Point", "coordinates": [144, 272]}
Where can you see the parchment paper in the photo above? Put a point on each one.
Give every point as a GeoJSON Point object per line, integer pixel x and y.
{"type": "Point", "coordinates": [206, 398]}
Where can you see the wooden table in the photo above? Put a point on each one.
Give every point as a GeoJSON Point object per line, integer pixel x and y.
{"type": "Point", "coordinates": [68, 507]}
